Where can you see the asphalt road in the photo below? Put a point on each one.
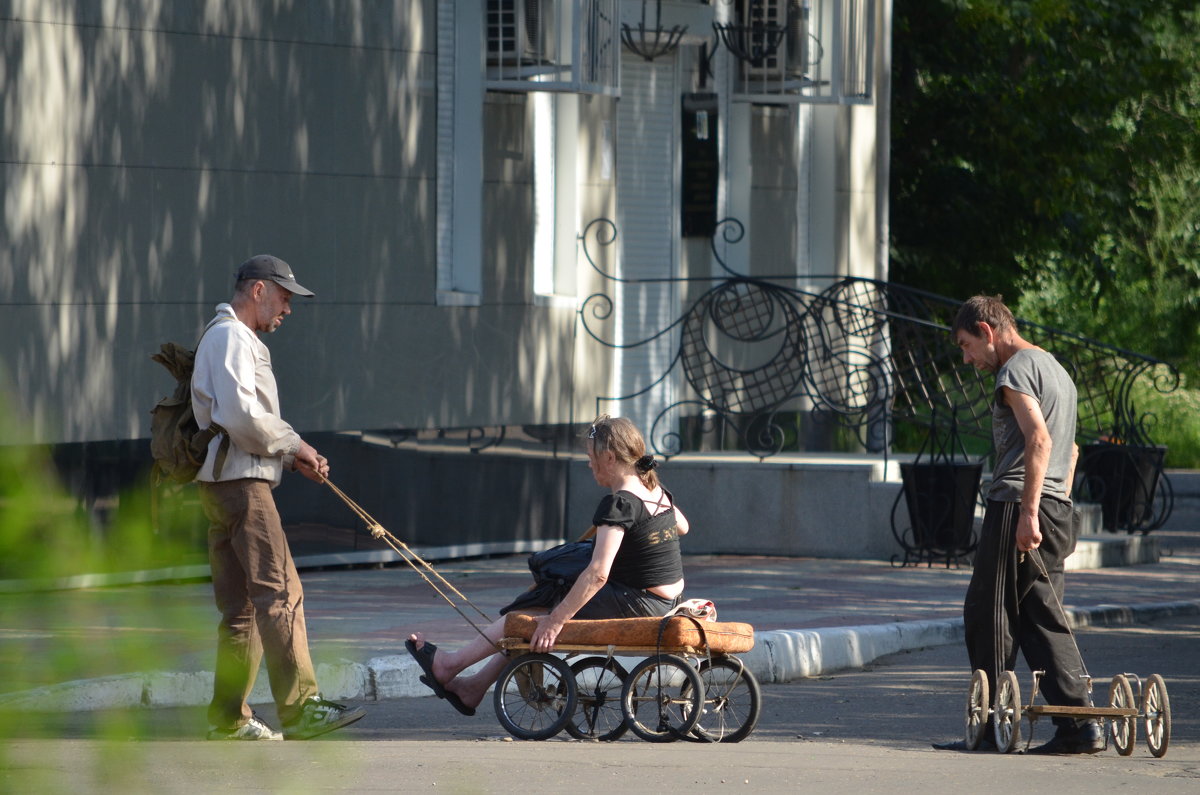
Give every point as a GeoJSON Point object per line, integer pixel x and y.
{"type": "Point", "coordinates": [863, 731]}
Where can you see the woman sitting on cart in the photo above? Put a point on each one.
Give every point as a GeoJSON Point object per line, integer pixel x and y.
{"type": "Point", "coordinates": [635, 571]}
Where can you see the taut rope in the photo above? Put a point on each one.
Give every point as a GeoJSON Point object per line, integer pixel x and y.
{"type": "Point", "coordinates": [1062, 611]}
{"type": "Point", "coordinates": [405, 552]}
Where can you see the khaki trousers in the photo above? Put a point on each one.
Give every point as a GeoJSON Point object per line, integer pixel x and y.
{"type": "Point", "coordinates": [258, 593]}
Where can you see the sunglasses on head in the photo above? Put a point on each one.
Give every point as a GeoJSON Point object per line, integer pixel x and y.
{"type": "Point", "coordinates": [596, 427]}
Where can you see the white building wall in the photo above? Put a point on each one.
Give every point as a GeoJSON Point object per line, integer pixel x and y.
{"type": "Point", "coordinates": [648, 211]}
{"type": "Point", "coordinates": [146, 148]}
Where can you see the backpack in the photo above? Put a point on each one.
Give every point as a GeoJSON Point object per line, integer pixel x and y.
{"type": "Point", "coordinates": [177, 443]}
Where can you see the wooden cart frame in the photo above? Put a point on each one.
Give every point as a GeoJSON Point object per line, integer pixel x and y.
{"type": "Point", "coordinates": [1122, 714]}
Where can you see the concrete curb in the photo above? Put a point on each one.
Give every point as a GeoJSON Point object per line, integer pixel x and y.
{"type": "Point", "coordinates": [778, 656]}
{"type": "Point", "coordinates": [789, 654]}
{"type": "Point", "coordinates": [786, 655]}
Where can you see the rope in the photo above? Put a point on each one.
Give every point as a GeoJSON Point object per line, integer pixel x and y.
{"type": "Point", "coordinates": [1062, 611]}
{"type": "Point", "coordinates": [405, 552]}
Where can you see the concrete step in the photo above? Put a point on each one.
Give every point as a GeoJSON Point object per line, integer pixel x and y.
{"type": "Point", "coordinates": [1109, 550]}
{"type": "Point", "coordinates": [1091, 517]}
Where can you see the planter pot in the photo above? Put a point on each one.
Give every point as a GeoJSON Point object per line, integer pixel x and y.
{"type": "Point", "coordinates": [941, 501]}
{"type": "Point", "coordinates": [1124, 480]}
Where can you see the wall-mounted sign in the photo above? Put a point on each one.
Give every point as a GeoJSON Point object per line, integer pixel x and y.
{"type": "Point", "coordinates": [701, 167]}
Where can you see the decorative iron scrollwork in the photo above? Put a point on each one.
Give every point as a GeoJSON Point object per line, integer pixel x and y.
{"type": "Point", "coordinates": [761, 356]}
{"type": "Point", "coordinates": [652, 41]}
{"type": "Point", "coordinates": [751, 349]}
{"type": "Point", "coordinates": [480, 438]}
{"type": "Point", "coordinates": [746, 312]}
{"type": "Point", "coordinates": [753, 43]}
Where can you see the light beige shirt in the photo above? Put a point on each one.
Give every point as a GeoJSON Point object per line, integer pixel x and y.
{"type": "Point", "coordinates": [233, 385]}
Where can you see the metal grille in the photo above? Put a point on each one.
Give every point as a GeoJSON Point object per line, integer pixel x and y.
{"type": "Point", "coordinates": [553, 45]}
{"type": "Point", "coordinates": [751, 314]}
{"type": "Point", "coordinates": [790, 51]}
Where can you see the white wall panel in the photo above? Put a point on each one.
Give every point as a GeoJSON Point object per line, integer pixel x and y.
{"type": "Point", "coordinates": [647, 200]}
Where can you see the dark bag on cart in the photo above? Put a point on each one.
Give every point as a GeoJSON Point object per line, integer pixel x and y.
{"type": "Point", "coordinates": [554, 573]}
{"type": "Point", "coordinates": [563, 563]}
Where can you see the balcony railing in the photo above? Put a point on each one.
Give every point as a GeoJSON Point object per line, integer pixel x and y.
{"type": "Point", "coordinates": [765, 365]}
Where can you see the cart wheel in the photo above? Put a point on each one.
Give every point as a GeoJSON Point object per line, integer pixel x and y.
{"type": "Point", "coordinates": [1156, 709]}
{"type": "Point", "coordinates": [655, 702]}
{"type": "Point", "coordinates": [535, 696]}
{"type": "Point", "coordinates": [1124, 730]}
{"type": "Point", "coordinates": [732, 701]}
{"type": "Point", "coordinates": [598, 715]}
{"type": "Point", "coordinates": [1006, 717]}
{"type": "Point", "coordinates": [979, 701]}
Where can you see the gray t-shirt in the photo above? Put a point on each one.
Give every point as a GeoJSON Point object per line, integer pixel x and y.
{"type": "Point", "coordinates": [1036, 373]}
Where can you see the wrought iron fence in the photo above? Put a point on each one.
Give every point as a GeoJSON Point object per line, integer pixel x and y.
{"type": "Point", "coordinates": [765, 360]}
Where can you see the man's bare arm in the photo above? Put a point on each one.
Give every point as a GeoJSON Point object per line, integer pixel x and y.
{"type": "Point", "coordinates": [1038, 443]}
{"type": "Point", "coordinates": [1071, 472]}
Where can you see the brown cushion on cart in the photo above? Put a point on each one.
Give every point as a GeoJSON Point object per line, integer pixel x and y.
{"type": "Point", "coordinates": [726, 637]}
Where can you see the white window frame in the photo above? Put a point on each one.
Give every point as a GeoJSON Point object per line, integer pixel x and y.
{"type": "Point", "coordinates": [574, 48]}
{"type": "Point", "coordinates": [838, 46]}
{"type": "Point", "coordinates": [555, 121]}
{"type": "Point", "coordinates": [459, 215]}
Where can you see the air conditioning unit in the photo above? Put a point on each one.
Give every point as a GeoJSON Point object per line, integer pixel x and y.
{"type": "Point", "coordinates": [521, 32]}
{"type": "Point", "coordinates": [784, 23]}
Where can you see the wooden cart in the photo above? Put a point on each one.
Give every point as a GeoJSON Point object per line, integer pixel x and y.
{"type": "Point", "coordinates": [690, 684]}
{"type": "Point", "coordinates": [1122, 713]}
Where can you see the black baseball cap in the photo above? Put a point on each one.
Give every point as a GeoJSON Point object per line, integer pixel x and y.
{"type": "Point", "coordinates": [264, 266]}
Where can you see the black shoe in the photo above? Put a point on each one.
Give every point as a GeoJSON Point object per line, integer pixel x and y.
{"type": "Point", "coordinates": [1086, 739]}
{"type": "Point", "coordinates": [318, 717]}
{"type": "Point", "coordinates": [986, 743]}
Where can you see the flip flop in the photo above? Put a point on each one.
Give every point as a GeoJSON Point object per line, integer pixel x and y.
{"type": "Point", "coordinates": [424, 658]}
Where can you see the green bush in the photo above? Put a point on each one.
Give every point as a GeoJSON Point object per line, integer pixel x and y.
{"type": "Point", "coordinates": [50, 631]}
{"type": "Point", "coordinates": [1172, 419]}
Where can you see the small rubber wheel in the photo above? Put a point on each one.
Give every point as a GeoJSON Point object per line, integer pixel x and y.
{"type": "Point", "coordinates": [598, 714]}
{"type": "Point", "coordinates": [1156, 710]}
{"type": "Point", "coordinates": [535, 696]}
{"type": "Point", "coordinates": [1124, 730]}
{"type": "Point", "coordinates": [732, 701]}
{"type": "Point", "coordinates": [979, 701]}
{"type": "Point", "coordinates": [662, 698]}
{"type": "Point", "coordinates": [1006, 716]}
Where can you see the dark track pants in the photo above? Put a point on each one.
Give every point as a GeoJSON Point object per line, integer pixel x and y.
{"type": "Point", "coordinates": [1011, 605]}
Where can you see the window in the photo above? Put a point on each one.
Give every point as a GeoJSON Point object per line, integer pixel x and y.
{"type": "Point", "coordinates": [555, 141]}
{"type": "Point", "coordinates": [802, 50]}
{"type": "Point", "coordinates": [553, 45]}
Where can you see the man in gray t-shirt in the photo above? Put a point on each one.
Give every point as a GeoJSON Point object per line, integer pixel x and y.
{"type": "Point", "coordinates": [1032, 372]}
{"type": "Point", "coordinates": [1014, 600]}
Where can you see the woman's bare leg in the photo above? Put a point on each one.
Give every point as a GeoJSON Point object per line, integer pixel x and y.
{"type": "Point", "coordinates": [472, 689]}
{"type": "Point", "coordinates": [447, 665]}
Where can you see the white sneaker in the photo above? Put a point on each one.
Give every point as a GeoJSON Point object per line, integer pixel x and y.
{"type": "Point", "coordinates": [253, 729]}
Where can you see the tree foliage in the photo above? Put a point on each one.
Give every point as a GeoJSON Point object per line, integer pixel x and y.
{"type": "Point", "coordinates": [1047, 151]}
